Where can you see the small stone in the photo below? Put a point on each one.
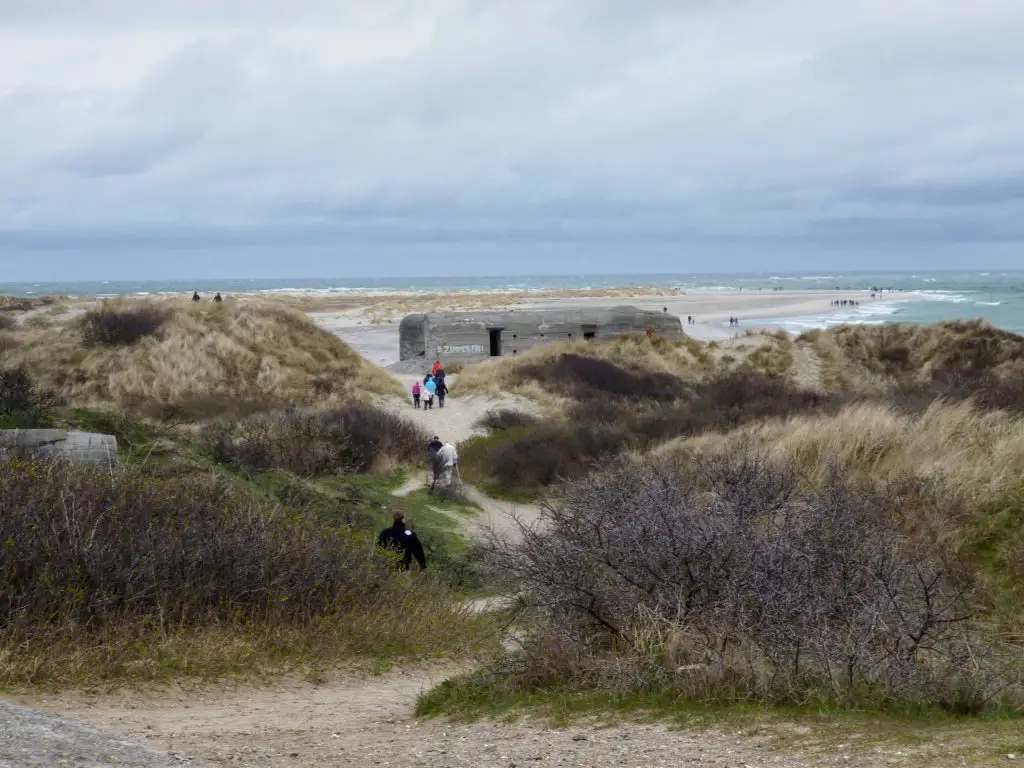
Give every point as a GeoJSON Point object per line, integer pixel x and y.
{"type": "Point", "coordinates": [579, 737]}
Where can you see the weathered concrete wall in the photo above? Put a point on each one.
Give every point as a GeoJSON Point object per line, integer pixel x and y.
{"type": "Point", "coordinates": [412, 339]}
{"type": "Point", "coordinates": [81, 447]}
{"type": "Point", "coordinates": [466, 336]}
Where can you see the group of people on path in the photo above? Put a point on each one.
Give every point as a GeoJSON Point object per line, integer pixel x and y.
{"type": "Point", "coordinates": [845, 303]}
{"type": "Point", "coordinates": [433, 386]}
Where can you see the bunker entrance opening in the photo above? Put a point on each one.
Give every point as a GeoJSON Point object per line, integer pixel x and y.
{"type": "Point", "coordinates": [495, 334]}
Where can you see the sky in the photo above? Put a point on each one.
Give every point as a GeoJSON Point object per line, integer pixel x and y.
{"type": "Point", "coordinates": [262, 138]}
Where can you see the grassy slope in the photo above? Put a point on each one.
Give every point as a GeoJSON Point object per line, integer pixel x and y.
{"type": "Point", "coordinates": [205, 358]}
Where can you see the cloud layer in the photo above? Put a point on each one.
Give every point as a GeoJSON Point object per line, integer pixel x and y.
{"type": "Point", "coordinates": [217, 121]}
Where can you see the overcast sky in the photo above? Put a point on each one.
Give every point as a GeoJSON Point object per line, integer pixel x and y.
{"type": "Point", "coordinates": [195, 138]}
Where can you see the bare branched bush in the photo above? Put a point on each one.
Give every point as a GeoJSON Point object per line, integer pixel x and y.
{"type": "Point", "coordinates": [352, 439]}
{"type": "Point", "coordinates": [111, 574]}
{"type": "Point", "coordinates": [121, 326]}
{"type": "Point", "coordinates": [86, 547]}
{"type": "Point", "coordinates": [735, 585]}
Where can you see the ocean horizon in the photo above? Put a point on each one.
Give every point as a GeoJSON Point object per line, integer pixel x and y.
{"type": "Point", "coordinates": [914, 297]}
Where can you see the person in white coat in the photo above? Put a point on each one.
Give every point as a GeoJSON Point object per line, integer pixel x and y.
{"type": "Point", "coordinates": [447, 458]}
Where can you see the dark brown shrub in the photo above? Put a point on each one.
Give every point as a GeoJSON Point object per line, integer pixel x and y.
{"type": "Point", "coordinates": [352, 439]}
{"type": "Point", "coordinates": [114, 326]}
{"type": "Point", "coordinates": [7, 323]}
{"type": "Point", "coordinates": [583, 377]}
{"type": "Point", "coordinates": [506, 418]}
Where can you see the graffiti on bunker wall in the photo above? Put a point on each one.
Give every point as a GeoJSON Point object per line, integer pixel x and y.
{"type": "Point", "coordinates": [460, 349]}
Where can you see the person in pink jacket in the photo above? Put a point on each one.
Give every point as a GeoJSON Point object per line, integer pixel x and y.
{"type": "Point", "coordinates": [416, 394]}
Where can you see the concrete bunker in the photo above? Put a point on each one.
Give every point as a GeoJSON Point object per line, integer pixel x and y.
{"type": "Point", "coordinates": [469, 337]}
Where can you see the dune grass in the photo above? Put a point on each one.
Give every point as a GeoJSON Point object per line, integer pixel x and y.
{"type": "Point", "coordinates": [200, 359]}
{"type": "Point", "coordinates": [866, 358]}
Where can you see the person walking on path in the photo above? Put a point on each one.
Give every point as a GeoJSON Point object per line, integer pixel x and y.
{"type": "Point", "coordinates": [447, 459]}
{"type": "Point", "coordinates": [402, 540]}
{"type": "Point", "coordinates": [433, 447]}
{"type": "Point", "coordinates": [416, 394]}
{"type": "Point", "coordinates": [436, 368]}
{"type": "Point", "coordinates": [442, 390]}
{"type": "Point", "coordinates": [431, 387]}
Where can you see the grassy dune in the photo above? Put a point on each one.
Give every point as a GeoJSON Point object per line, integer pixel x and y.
{"type": "Point", "coordinates": [199, 358]}
{"type": "Point", "coordinates": [870, 358]}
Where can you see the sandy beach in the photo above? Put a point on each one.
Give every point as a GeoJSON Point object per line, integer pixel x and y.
{"type": "Point", "coordinates": [373, 331]}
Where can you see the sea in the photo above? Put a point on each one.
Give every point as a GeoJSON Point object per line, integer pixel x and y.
{"type": "Point", "coordinates": [911, 297]}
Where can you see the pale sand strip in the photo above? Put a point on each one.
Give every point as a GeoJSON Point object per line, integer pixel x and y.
{"type": "Point", "coordinates": [378, 342]}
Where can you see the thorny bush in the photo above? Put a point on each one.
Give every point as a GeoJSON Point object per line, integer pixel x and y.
{"type": "Point", "coordinates": [355, 438]}
{"type": "Point", "coordinates": [733, 585]}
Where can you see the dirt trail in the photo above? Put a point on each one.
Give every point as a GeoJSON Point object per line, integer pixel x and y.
{"type": "Point", "coordinates": [369, 723]}
{"type": "Point", "coordinates": [457, 420]}
{"type": "Point", "coordinates": [806, 368]}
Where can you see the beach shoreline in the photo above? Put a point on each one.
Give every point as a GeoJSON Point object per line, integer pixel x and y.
{"type": "Point", "coordinates": [373, 332]}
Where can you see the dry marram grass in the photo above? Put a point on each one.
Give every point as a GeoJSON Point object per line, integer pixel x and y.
{"type": "Point", "coordinates": [206, 352]}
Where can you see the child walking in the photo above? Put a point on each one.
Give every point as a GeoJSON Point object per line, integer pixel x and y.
{"type": "Point", "coordinates": [416, 394]}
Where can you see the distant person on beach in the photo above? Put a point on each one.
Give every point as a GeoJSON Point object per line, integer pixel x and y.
{"type": "Point", "coordinates": [416, 394]}
{"type": "Point", "coordinates": [402, 540]}
{"type": "Point", "coordinates": [195, 295]}
{"type": "Point", "coordinates": [217, 299]}
{"type": "Point", "coordinates": [446, 460]}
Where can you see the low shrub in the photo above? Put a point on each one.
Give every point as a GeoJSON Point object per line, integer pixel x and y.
{"type": "Point", "coordinates": [23, 404]}
{"type": "Point", "coordinates": [530, 455]}
{"type": "Point", "coordinates": [506, 418]}
{"type": "Point", "coordinates": [121, 326]}
{"type": "Point", "coordinates": [583, 377]}
{"type": "Point", "coordinates": [122, 569]}
{"type": "Point", "coordinates": [736, 586]}
{"type": "Point", "coordinates": [355, 438]}
{"type": "Point", "coordinates": [7, 323]}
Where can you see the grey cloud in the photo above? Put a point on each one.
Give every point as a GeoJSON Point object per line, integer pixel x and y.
{"type": "Point", "coordinates": [556, 119]}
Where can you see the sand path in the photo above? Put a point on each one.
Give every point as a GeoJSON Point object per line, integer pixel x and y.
{"type": "Point", "coordinates": [368, 722]}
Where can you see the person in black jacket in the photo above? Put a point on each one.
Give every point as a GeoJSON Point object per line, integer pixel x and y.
{"type": "Point", "coordinates": [442, 391]}
{"type": "Point", "coordinates": [398, 538]}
